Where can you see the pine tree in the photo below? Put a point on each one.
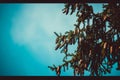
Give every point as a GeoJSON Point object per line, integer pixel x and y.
{"type": "Point", "coordinates": [97, 50]}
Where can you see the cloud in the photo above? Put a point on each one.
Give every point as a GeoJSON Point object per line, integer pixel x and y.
{"type": "Point", "coordinates": [33, 27]}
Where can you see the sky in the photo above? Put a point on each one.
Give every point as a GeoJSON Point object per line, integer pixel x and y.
{"type": "Point", "coordinates": [27, 39]}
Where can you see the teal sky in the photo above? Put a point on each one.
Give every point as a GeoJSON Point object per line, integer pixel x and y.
{"type": "Point", "coordinates": [27, 40]}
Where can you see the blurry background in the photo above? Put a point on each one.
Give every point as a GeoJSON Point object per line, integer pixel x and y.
{"type": "Point", "coordinates": [27, 40]}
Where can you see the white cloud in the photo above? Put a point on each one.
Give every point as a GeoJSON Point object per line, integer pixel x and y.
{"type": "Point", "coordinates": [34, 24]}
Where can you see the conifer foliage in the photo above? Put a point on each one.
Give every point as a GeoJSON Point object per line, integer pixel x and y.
{"type": "Point", "coordinates": [98, 41]}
